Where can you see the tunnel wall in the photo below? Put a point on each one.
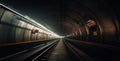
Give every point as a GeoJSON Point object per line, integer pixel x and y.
{"type": "Point", "coordinates": [13, 28]}
{"type": "Point", "coordinates": [104, 14]}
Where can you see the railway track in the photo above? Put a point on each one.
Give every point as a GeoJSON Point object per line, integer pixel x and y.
{"type": "Point", "coordinates": [31, 54]}
{"type": "Point", "coordinates": [90, 51]}
{"type": "Point", "coordinates": [76, 53]}
{"type": "Point", "coordinates": [66, 50]}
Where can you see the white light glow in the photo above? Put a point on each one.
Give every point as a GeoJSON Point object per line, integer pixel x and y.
{"type": "Point", "coordinates": [49, 31]}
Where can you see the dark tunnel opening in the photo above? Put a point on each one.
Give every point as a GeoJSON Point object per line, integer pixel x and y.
{"type": "Point", "coordinates": [85, 30]}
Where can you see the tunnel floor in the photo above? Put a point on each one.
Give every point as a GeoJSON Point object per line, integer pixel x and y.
{"type": "Point", "coordinates": [61, 50]}
{"type": "Point", "coordinates": [59, 53]}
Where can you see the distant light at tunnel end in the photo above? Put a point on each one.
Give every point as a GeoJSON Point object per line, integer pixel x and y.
{"type": "Point", "coordinates": [61, 36]}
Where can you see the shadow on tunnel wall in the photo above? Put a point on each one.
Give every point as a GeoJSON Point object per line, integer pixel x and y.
{"type": "Point", "coordinates": [98, 22]}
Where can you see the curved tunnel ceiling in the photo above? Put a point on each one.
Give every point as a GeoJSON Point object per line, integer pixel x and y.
{"type": "Point", "coordinates": [63, 16]}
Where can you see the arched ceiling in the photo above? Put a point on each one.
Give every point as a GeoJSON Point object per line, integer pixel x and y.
{"type": "Point", "coordinates": [61, 16]}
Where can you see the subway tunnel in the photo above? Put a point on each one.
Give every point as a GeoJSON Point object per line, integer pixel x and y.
{"type": "Point", "coordinates": [59, 30]}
